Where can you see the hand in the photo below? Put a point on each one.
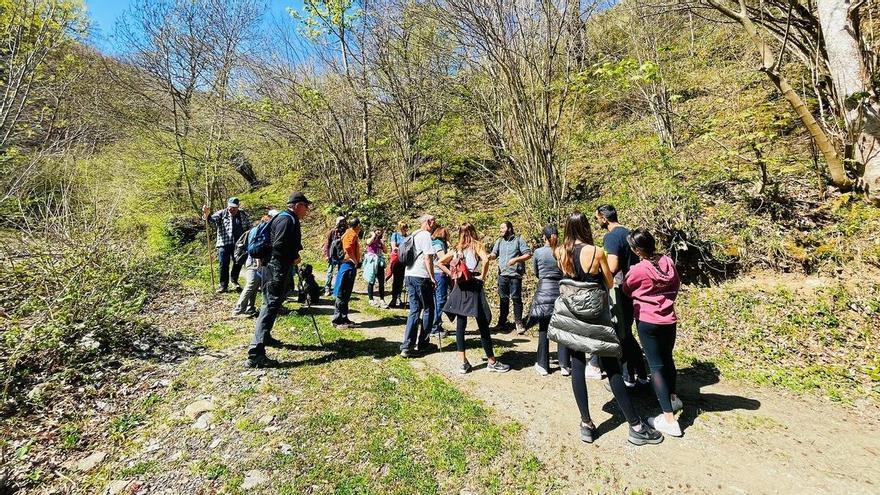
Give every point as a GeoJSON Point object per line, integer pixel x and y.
{"type": "Point", "coordinates": [433, 282]}
{"type": "Point", "coordinates": [206, 210]}
{"type": "Point", "coordinates": [297, 260]}
{"type": "Point", "coordinates": [512, 262]}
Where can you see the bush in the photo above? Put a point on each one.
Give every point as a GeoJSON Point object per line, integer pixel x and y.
{"type": "Point", "coordinates": [68, 300]}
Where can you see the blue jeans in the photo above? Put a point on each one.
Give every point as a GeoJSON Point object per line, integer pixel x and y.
{"type": "Point", "coordinates": [440, 294]}
{"type": "Point", "coordinates": [224, 257]}
{"type": "Point", "coordinates": [328, 280]}
{"type": "Point", "coordinates": [509, 288]}
{"type": "Point", "coordinates": [421, 301]}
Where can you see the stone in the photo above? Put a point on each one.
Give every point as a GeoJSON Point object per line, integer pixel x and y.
{"type": "Point", "coordinates": [215, 443]}
{"type": "Point", "coordinates": [203, 423]}
{"type": "Point", "coordinates": [86, 464]}
{"type": "Point", "coordinates": [253, 479]}
{"type": "Point", "coordinates": [116, 487]}
{"type": "Point", "coordinates": [267, 419]}
{"type": "Point", "coordinates": [197, 408]}
{"type": "Point", "coordinates": [286, 448]}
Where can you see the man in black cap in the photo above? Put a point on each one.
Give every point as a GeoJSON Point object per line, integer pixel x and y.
{"type": "Point", "coordinates": [286, 237]}
{"type": "Point", "coordinates": [230, 223]}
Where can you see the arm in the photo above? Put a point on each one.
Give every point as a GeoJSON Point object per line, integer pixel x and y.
{"type": "Point", "coordinates": [485, 259]}
{"type": "Point", "coordinates": [535, 266]}
{"type": "Point", "coordinates": [525, 253]}
{"type": "Point", "coordinates": [371, 238]}
{"type": "Point", "coordinates": [613, 263]}
{"type": "Point", "coordinates": [606, 271]}
{"type": "Point", "coordinates": [494, 253]}
{"type": "Point", "coordinates": [631, 281]}
{"type": "Point", "coordinates": [443, 259]}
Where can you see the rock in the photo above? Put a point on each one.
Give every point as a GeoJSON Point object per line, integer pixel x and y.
{"type": "Point", "coordinates": [86, 464]}
{"type": "Point", "coordinates": [197, 408]}
{"type": "Point", "coordinates": [465, 491]}
{"type": "Point", "coordinates": [393, 379]}
{"type": "Point", "coordinates": [286, 449]}
{"type": "Point", "coordinates": [253, 479]}
{"type": "Point", "coordinates": [116, 487]}
{"type": "Point", "coordinates": [215, 443]}
{"type": "Point", "coordinates": [267, 419]}
{"type": "Point", "coordinates": [203, 423]}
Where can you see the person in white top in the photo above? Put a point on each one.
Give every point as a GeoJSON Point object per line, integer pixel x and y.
{"type": "Point", "coordinates": [419, 280]}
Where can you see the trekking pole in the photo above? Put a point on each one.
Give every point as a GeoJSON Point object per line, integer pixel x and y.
{"type": "Point", "coordinates": [317, 332]}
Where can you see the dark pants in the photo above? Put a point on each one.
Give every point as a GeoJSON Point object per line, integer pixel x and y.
{"type": "Point", "coordinates": [380, 279]}
{"type": "Point", "coordinates": [440, 294]}
{"type": "Point", "coordinates": [485, 337]}
{"type": "Point", "coordinates": [276, 281]}
{"type": "Point", "coordinates": [224, 258]}
{"type": "Point", "coordinates": [579, 386]}
{"type": "Point", "coordinates": [509, 288]}
{"type": "Point", "coordinates": [658, 341]}
{"type": "Point", "coordinates": [421, 302]}
{"type": "Point", "coordinates": [633, 360]}
{"type": "Point", "coordinates": [397, 282]}
{"type": "Point", "coordinates": [340, 312]}
{"type": "Point", "coordinates": [543, 358]}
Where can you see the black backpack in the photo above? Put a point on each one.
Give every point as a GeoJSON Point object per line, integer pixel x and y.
{"type": "Point", "coordinates": [407, 253]}
{"type": "Point", "coordinates": [335, 254]}
{"type": "Point", "coordinates": [261, 246]}
{"type": "Point", "coordinates": [241, 248]}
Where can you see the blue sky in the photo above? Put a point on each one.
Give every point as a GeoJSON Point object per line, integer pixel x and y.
{"type": "Point", "coordinates": [104, 13]}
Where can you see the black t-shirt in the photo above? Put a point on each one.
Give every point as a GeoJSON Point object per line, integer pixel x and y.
{"type": "Point", "coordinates": [286, 238]}
{"type": "Point", "coordinates": [615, 243]}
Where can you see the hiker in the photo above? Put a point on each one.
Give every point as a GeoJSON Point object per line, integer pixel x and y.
{"type": "Point", "coordinates": [512, 252]}
{"type": "Point", "coordinates": [344, 284]}
{"type": "Point", "coordinates": [397, 270]}
{"type": "Point", "coordinates": [582, 322]}
{"type": "Point", "coordinates": [374, 267]}
{"type": "Point", "coordinates": [653, 285]}
{"type": "Point", "coordinates": [285, 236]}
{"type": "Point", "coordinates": [620, 259]}
{"type": "Point", "coordinates": [548, 273]}
{"type": "Point", "coordinates": [440, 241]}
{"type": "Point", "coordinates": [230, 223]}
{"type": "Point", "coordinates": [420, 283]}
{"type": "Point", "coordinates": [469, 265]}
{"type": "Point", "coordinates": [246, 305]}
{"type": "Point", "coordinates": [332, 263]}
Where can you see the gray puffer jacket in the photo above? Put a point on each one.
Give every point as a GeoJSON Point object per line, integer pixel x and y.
{"type": "Point", "coordinates": [581, 319]}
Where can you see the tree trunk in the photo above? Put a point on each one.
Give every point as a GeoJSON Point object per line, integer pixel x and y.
{"type": "Point", "coordinates": [850, 78]}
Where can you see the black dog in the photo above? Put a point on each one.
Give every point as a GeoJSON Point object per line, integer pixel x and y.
{"type": "Point", "coordinates": [309, 291]}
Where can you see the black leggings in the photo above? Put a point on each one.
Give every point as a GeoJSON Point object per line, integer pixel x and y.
{"type": "Point", "coordinates": [543, 358]}
{"type": "Point", "coordinates": [485, 337]}
{"type": "Point", "coordinates": [658, 341]}
{"type": "Point", "coordinates": [579, 386]}
{"type": "Point", "coordinates": [380, 279]}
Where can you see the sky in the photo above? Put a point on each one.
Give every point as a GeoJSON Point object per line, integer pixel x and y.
{"type": "Point", "coordinates": [104, 13]}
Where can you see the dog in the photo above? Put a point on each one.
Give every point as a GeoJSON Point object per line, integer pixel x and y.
{"type": "Point", "coordinates": [309, 291]}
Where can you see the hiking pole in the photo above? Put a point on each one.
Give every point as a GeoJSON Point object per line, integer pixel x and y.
{"type": "Point", "coordinates": [317, 332]}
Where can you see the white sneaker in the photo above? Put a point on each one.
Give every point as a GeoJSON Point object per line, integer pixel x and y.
{"type": "Point", "coordinates": [541, 370]}
{"type": "Point", "coordinates": [593, 372]}
{"type": "Point", "coordinates": [660, 424]}
{"type": "Point", "coordinates": [382, 304]}
{"type": "Point", "coordinates": [373, 303]}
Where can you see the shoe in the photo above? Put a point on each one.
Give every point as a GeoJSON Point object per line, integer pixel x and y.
{"type": "Point", "coordinates": [647, 435]}
{"type": "Point", "coordinates": [270, 341]}
{"type": "Point", "coordinates": [253, 314]}
{"type": "Point", "coordinates": [565, 371]}
{"type": "Point", "coordinates": [588, 433]}
{"type": "Point", "coordinates": [497, 367]}
{"type": "Point", "coordinates": [554, 360]}
{"type": "Point", "coordinates": [541, 370]}
{"type": "Point", "coordinates": [237, 288]}
{"type": "Point", "coordinates": [520, 328]}
{"type": "Point", "coordinates": [260, 362]}
{"type": "Point", "coordinates": [593, 372]}
{"type": "Point", "coordinates": [660, 424]}
{"type": "Point", "coordinates": [221, 290]}
{"type": "Point", "coordinates": [239, 314]}
{"type": "Point", "coordinates": [677, 404]}
{"type": "Point", "coordinates": [498, 328]}
{"type": "Point", "coordinates": [382, 304]}
{"type": "Point", "coordinates": [341, 326]}
{"type": "Point", "coordinates": [428, 347]}
{"type": "Point", "coordinates": [373, 303]}
{"type": "Point", "coordinates": [465, 368]}
{"type": "Point", "coordinates": [629, 384]}
{"type": "Point", "coordinates": [406, 353]}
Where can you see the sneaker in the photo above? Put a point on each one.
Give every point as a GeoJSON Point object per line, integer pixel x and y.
{"type": "Point", "coordinates": [406, 353]}
{"type": "Point", "coordinates": [373, 302]}
{"type": "Point", "coordinates": [270, 341]}
{"type": "Point", "coordinates": [237, 288]}
{"type": "Point", "coordinates": [382, 304]}
{"type": "Point", "coordinates": [497, 367]}
{"type": "Point", "coordinates": [260, 362]}
{"type": "Point", "coordinates": [520, 328]}
{"type": "Point", "coordinates": [342, 326]}
{"type": "Point", "coordinates": [588, 433]}
{"type": "Point", "coordinates": [540, 370]}
{"type": "Point", "coordinates": [660, 424]}
{"type": "Point", "coordinates": [677, 404]}
{"type": "Point", "coordinates": [565, 371]}
{"type": "Point", "coordinates": [465, 368]}
{"type": "Point", "coordinates": [629, 384]}
{"type": "Point", "coordinates": [593, 372]}
{"type": "Point", "coordinates": [647, 435]}
{"type": "Point", "coordinates": [428, 347]}
{"type": "Point", "coordinates": [221, 290]}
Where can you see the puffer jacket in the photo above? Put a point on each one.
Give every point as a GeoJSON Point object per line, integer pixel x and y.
{"type": "Point", "coordinates": [581, 319]}
{"type": "Point", "coordinates": [543, 301]}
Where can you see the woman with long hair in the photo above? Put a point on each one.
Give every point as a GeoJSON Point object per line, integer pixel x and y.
{"type": "Point", "coordinates": [469, 265]}
{"type": "Point", "coordinates": [587, 279]}
{"type": "Point", "coordinates": [548, 273]}
{"type": "Point", "coordinates": [440, 241]}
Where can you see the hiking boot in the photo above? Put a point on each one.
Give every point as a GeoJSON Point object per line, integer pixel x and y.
{"type": "Point", "coordinates": [565, 371]}
{"type": "Point", "coordinates": [270, 341]}
{"type": "Point", "coordinates": [677, 404]}
{"type": "Point", "coordinates": [497, 367]}
{"type": "Point", "coordinates": [660, 424]}
{"type": "Point", "coordinates": [540, 370]}
{"type": "Point", "coordinates": [520, 328]}
{"type": "Point", "coordinates": [588, 433]}
{"type": "Point", "coordinates": [465, 368]}
{"type": "Point", "coordinates": [237, 288]}
{"type": "Point", "coordinates": [221, 290]}
{"type": "Point", "coordinates": [409, 353]}
{"type": "Point", "coordinates": [428, 347]}
{"type": "Point", "coordinates": [260, 362]}
{"type": "Point", "coordinates": [647, 435]}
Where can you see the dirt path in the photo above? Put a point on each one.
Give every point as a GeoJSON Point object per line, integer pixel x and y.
{"type": "Point", "coordinates": [738, 439]}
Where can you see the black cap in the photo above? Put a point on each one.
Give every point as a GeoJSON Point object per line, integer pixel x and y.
{"type": "Point", "coordinates": [550, 230]}
{"type": "Point", "coordinates": [298, 197]}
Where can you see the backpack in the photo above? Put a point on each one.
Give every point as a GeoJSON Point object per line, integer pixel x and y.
{"type": "Point", "coordinates": [240, 253]}
{"type": "Point", "coordinates": [335, 254]}
{"type": "Point", "coordinates": [460, 271]}
{"type": "Point", "coordinates": [260, 246]}
{"type": "Point", "coordinates": [407, 253]}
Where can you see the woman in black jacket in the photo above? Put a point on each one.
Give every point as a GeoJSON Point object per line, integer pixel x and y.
{"type": "Point", "coordinates": [548, 273]}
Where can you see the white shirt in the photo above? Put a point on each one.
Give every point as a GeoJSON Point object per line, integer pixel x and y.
{"type": "Point", "coordinates": [424, 247]}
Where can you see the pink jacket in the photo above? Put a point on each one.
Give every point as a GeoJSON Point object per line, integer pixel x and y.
{"type": "Point", "coordinates": [653, 289]}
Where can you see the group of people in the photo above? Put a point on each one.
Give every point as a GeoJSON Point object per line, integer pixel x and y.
{"type": "Point", "coordinates": [587, 297]}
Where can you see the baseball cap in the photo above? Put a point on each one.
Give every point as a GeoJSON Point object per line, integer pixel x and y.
{"type": "Point", "coordinates": [272, 212]}
{"type": "Point", "coordinates": [298, 197]}
{"type": "Point", "coordinates": [233, 201]}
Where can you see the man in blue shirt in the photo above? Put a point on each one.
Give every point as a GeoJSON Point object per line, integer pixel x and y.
{"type": "Point", "coordinates": [230, 223]}
{"type": "Point", "coordinates": [512, 253]}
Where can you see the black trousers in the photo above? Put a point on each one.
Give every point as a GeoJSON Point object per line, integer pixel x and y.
{"type": "Point", "coordinates": [543, 358]}
{"type": "Point", "coordinates": [659, 341]}
{"type": "Point", "coordinates": [276, 282]}
{"type": "Point", "coordinates": [340, 313]}
{"type": "Point", "coordinates": [579, 386]}
{"type": "Point", "coordinates": [633, 360]}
